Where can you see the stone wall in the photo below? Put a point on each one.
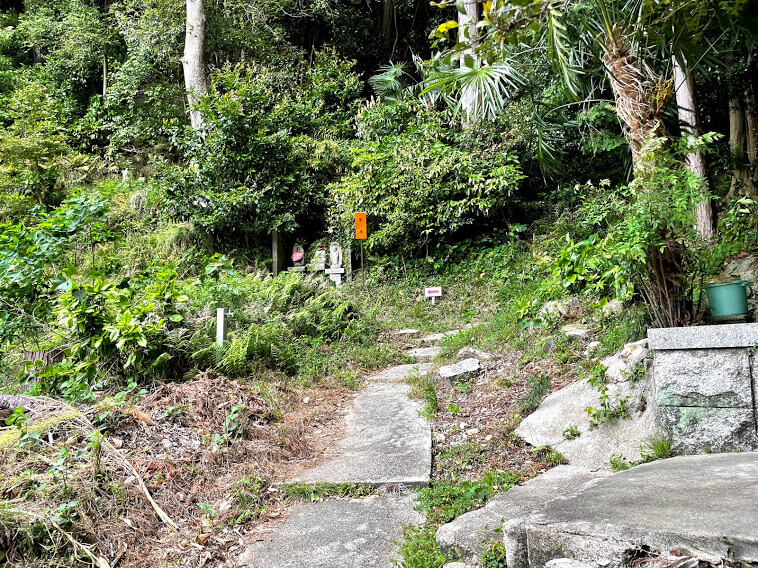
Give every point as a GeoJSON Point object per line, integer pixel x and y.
{"type": "Point", "coordinates": [705, 386]}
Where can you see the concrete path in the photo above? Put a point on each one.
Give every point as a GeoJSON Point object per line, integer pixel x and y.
{"type": "Point", "coordinates": [399, 373]}
{"type": "Point", "coordinates": [425, 353]}
{"type": "Point", "coordinates": [387, 443]}
{"type": "Point", "coordinates": [336, 533]}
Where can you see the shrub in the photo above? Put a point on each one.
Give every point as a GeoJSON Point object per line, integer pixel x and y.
{"type": "Point", "coordinates": [420, 185]}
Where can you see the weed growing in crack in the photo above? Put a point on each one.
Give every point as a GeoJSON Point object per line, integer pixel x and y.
{"type": "Point", "coordinates": [609, 410]}
{"type": "Point", "coordinates": [657, 447]}
{"type": "Point", "coordinates": [550, 455]}
{"type": "Point", "coordinates": [424, 388]}
{"type": "Point", "coordinates": [538, 387]}
{"type": "Point", "coordinates": [317, 491]}
{"type": "Point", "coordinates": [571, 433]}
{"type": "Point", "coordinates": [440, 503]}
{"type": "Point", "coordinates": [493, 556]}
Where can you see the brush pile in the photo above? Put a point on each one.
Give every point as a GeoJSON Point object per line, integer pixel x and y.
{"type": "Point", "coordinates": [174, 477]}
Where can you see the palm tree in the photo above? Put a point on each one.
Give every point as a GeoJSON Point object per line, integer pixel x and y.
{"type": "Point", "coordinates": [633, 47]}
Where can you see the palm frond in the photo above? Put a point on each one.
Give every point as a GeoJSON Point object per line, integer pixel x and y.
{"type": "Point", "coordinates": [391, 82]}
{"type": "Point", "coordinates": [561, 53]}
{"type": "Point", "coordinates": [489, 87]}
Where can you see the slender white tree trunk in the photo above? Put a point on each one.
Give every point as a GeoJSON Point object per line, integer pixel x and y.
{"type": "Point", "coordinates": [105, 71]}
{"type": "Point", "coordinates": [193, 61]}
{"type": "Point", "coordinates": [467, 34]}
{"type": "Point", "coordinates": [689, 122]}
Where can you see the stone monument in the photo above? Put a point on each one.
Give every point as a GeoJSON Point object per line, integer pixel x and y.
{"type": "Point", "coordinates": [335, 270]}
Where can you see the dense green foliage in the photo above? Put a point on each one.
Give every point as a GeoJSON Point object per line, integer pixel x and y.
{"type": "Point", "coordinates": [269, 151]}
{"type": "Point", "coordinates": [422, 180]}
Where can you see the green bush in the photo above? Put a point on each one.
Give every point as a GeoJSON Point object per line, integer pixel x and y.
{"type": "Point", "coordinates": [268, 150]}
{"type": "Point", "coordinates": [419, 183]}
{"type": "Point", "coordinates": [289, 324]}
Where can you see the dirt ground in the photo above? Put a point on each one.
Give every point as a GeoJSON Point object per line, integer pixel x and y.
{"type": "Point", "coordinates": [209, 451]}
{"type": "Point", "coordinates": [473, 430]}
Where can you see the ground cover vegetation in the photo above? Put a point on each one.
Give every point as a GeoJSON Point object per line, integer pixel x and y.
{"type": "Point", "coordinates": [513, 152]}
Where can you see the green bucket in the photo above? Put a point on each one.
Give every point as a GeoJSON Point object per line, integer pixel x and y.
{"type": "Point", "coordinates": [728, 299]}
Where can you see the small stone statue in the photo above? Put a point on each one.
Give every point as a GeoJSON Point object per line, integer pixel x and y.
{"type": "Point", "coordinates": [335, 255]}
{"type": "Point", "coordinates": [298, 255]}
{"type": "Point", "coordinates": [335, 270]}
{"type": "Point", "coordinates": [318, 264]}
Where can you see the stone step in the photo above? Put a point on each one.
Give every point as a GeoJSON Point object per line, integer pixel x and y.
{"type": "Point", "coordinates": [460, 371]}
{"type": "Point", "coordinates": [399, 373]}
{"type": "Point", "coordinates": [437, 337]}
{"type": "Point", "coordinates": [407, 331]}
{"type": "Point", "coordinates": [424, 353]}
{"type": "Point", "coordinates": [387, 442]}
{"type": "Point", "coordinates": [470, 534]}
{"type": "Point", "coordinates": [704, 506]}
{"type": "Point", "coordinates": [336, 533]}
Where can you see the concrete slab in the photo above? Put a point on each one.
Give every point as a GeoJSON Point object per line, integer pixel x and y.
{"type": "Point", "coordinates": [593, 448]}
{"type": "Point", "coordinates": [459, 371]}
{"type": "Point", "coordinates": [408, 331]}
{"type": "Point", "coordinates": [470, 534]}
{"type": "Point", "coordinates": [387, 442]}
{"type": "Point", "coordinates": [336, 533]}
{"type": "Point", "coordinates": [703, 336]}
{"type": "Point", "coordinates": [704, 506]}
{"type": "Point", "coordinates": [437, 337]}
{"type": "Point", "coordinates": [399, 373]}
{"type": "Point", "coordinates": [425, 353]}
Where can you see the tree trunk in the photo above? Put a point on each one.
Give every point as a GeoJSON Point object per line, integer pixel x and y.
{"type": "Point", "coordinates": [467, 35]}
{"type": "Point", "coordinates": [37, 56]}
{"type": "Point", "coordinates": [193, 61]}
{"type": "Point", "coordinates": [690, 124]}
{"type": "Point", "coordinates": [740, 177]}
{"type": "Point", "coordinates": [751, 120]}
{"type": "Point", "coordinates": [637, 94]}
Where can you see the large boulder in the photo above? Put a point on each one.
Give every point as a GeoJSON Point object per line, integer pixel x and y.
{"type": "Point", "coordinates": [471, 352]}
{"type": "Point", "coordinates": [567, 308]}
{"type": "Point", "coordinates": [578, 331]}
{"type": "Point", "coordinates": [593, 448]}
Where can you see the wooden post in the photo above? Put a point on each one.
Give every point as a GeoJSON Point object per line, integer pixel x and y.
{"type": "Point", "coordinates": [277, 253]}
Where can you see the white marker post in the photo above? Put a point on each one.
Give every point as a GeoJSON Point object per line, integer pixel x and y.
{"type": "Point", "coordinates": [433, 293]}
{"type": "Point", "coordinates": [221, 315]}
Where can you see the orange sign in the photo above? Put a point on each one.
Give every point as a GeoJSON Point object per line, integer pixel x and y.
{"type": "Point", "coordinates": [360, 226]}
